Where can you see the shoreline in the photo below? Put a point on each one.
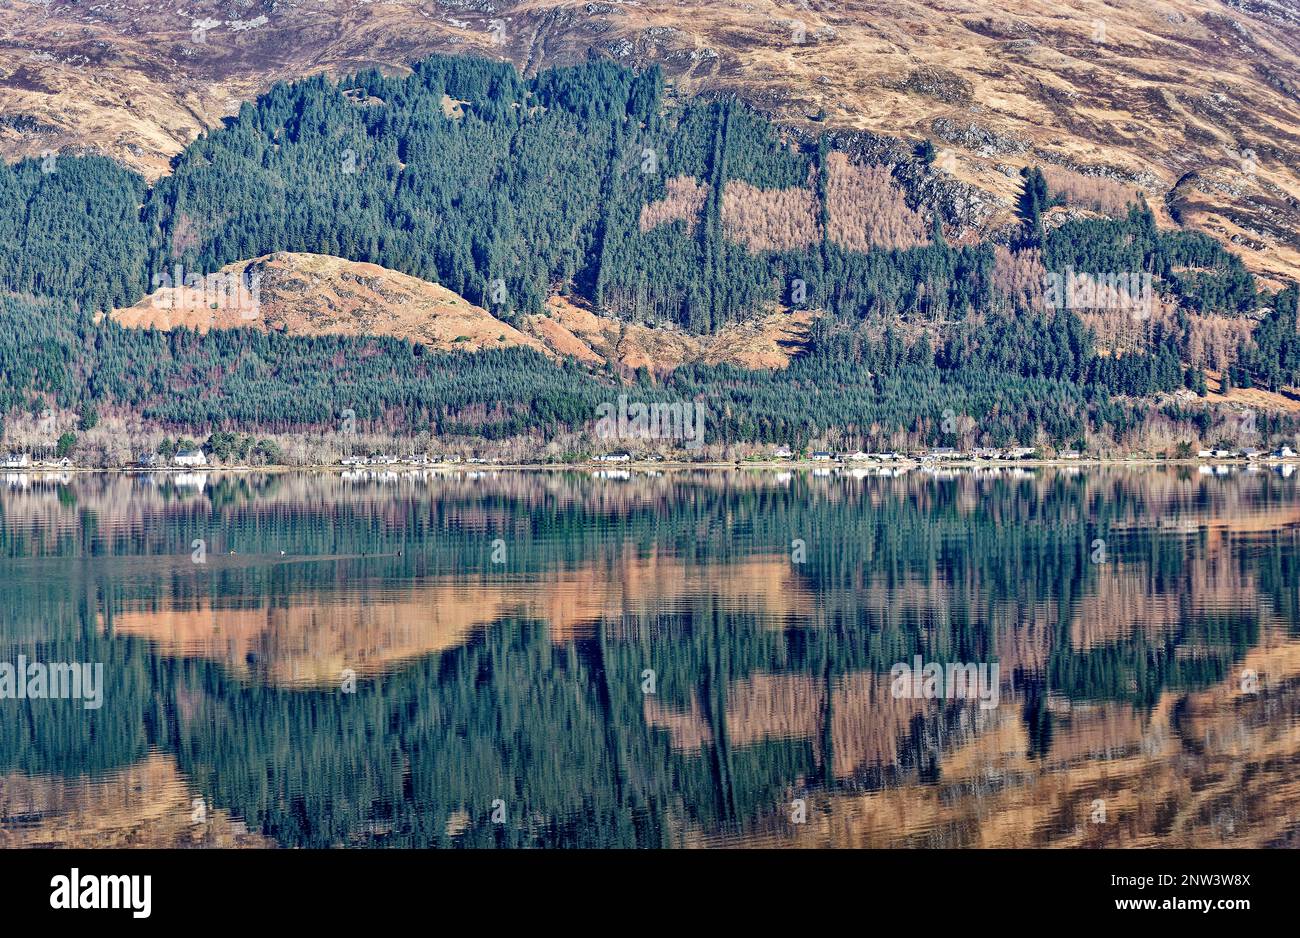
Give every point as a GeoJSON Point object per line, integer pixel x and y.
{"type": "Point", "coordinates": [642, 465]}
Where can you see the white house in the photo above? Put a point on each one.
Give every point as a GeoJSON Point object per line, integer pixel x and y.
{"type": "Point", "coordinates": [190, 457]}
{"type": "Point", "coordinates": [821, 457]}
{"type": "Point", "coordinates": [614, 457]}
{"type": "Point", "coordinates": [782, 452]}
{"type": "Point", "coordinates": [17, 461]}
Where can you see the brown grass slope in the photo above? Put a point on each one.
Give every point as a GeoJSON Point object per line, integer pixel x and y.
{"type": "Point", "coordinates": [316, 294]}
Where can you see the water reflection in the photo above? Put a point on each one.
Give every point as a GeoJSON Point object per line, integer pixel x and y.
{"type": "Point", "coordinates": [392, 661]}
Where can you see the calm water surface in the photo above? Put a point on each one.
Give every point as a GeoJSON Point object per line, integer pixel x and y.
{"type": "Point", "coordinates": [464, 659]}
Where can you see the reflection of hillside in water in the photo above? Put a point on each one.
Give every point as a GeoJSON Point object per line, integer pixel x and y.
{"type": "Point", "coordinates": [144, 805]}
{"type": "Point", "coordinates": [1216, 768]}
{"type": "Point", "coordinates": [1119, 679]}
{"type": "Point", "coordinates": [311, 638]}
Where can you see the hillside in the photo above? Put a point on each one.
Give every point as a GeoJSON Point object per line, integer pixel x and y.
{"type": "Point", "coordinates": [1196, 102]}
{"type": "Point", "coordinates": [585, 230]}
{"type": "Point", "coordinates": [311, 294]}
{"type": "Point", "coordinates": [315, 295]}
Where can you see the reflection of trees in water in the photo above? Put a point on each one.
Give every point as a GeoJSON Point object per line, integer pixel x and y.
{"type": "Point", "coordinates": [60, 737]}
{"type": "Point", "coordinates": [557, 732]}
{"type": "Point", "coordinates": [749, 712]}
{"type": "Point", "coordinates": [859, 534]}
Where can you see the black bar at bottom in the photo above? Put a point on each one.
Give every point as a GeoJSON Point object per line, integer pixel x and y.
{"type": "Point", "coordinates": [335, 888]}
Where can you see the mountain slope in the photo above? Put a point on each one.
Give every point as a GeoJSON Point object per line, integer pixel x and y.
{"type": "Point", "coordinates": [582, 211]}
{"type": "Point", "coordinates": [314, 294]}
{"type": "Point", "coordinates": [1195, 101]}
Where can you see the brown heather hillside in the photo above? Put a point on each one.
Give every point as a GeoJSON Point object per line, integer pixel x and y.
{"type": "Point", "coordinates": [768, 340]}
{"type": "Point", "coordinates": [315, 294]}
{"type": "Point", "coordinates": [1195, 102]}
